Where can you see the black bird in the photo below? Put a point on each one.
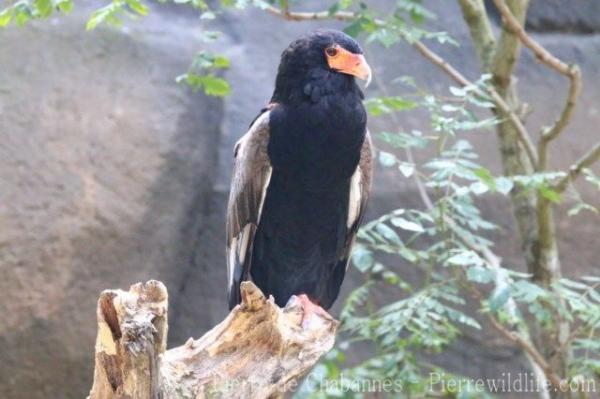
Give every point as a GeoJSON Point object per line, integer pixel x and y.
{"type": "Point", "coordinates": [302, 176]}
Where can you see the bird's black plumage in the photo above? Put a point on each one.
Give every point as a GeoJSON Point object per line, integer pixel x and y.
{"type": "Point", "coordinates": [293, 235]}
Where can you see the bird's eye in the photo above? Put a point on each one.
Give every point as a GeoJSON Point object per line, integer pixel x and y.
{"type": "Point", "coordinates": [331, 51]}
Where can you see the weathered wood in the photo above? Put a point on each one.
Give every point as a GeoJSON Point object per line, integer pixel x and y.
{"type": "Point", "coordinates": [258, 351]}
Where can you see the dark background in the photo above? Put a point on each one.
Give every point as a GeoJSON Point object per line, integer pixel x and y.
{"type": "Point", "coordinates": [111, 173]}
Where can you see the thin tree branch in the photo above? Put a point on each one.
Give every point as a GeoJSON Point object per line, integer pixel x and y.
{"type": "Point", "coordinates": [544, 56]}
{"type": "Point", "coordinates": [540, 52]}
{"type": "Point", "coordinates": [552, 132]}
{"type": "Point", "coordinates": [520, 341]}
{"type": "Point", "coordinates": [429, 54]}
{"type": "Point", "coordinates": [591, 157]}
{"type": "Point", "coordinates": [308, 16]}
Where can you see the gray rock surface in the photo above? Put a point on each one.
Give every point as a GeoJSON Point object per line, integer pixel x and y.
{"type": "Point", "coordinates": [573, 16]}
{"type": "Point", "coordinates": [106, 166]}
{"type": "Point", "coordinates": [111, 174]}
{"type": "Point", "coordinates": [558, 16]}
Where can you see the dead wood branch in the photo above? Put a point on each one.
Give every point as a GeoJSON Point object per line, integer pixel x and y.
{"type": "Point", "coordinates": [258, 351]}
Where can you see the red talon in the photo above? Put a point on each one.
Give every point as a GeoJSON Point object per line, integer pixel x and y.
{"type": "Point", "coordinates": [309, 308]}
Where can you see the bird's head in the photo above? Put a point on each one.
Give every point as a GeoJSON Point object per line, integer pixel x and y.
{"type": "Point", "coordinates": [320, 54]}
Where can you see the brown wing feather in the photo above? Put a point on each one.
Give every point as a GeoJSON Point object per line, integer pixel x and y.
{"type": "Point", "coordinates": [360, 189]}
{"type": "Point", "coordinates": [251, 176]}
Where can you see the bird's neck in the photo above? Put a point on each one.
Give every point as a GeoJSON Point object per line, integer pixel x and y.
{"type": "Point", "coordinates": [295, 87]}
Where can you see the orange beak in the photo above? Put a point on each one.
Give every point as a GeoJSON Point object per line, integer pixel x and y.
{"type": "Point", "coordinates": [349, 63]}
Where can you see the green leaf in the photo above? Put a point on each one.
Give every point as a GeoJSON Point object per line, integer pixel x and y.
{"type": "Point", "coordinates": [406, 168]}
{"type": "Point", "coordinates": [499, 298]}
{"type": "Point", "coordinates": [6, 16]}
{"type": "Point", "coordinates": [550, 194]}
{"type": "Point", "coordinates": [214, 86]}
{"type": "Point", "coordinates": [388, 233]}
{"type": "Point", "coordinates": [504, 185]}
{"type": "Point", "coordinates": [591, 177]}
{"type": "Point", "coordinates": [333, 9]}
{"type": "Point", "coordinates": [407, 225]}
{"type": "Point", "coordinates": [479, 274]}
{"type": "Point", "coordinates": [386, 159]}
{"type": "Point", "coordinates": [485, 176]}
{"type": "Point", "coordinates": [457, 91]}
{"type": "Point", "coordinates": [527, 292]}
{"type": "Point", "coordinates": [207, 15]}
{"type": "Point", "coordinates": [65, 6]}
{"type": "Point", "coordinates": [362, 258]}
{"type": "Point", "coordinates": [106, 14]}
{"type": "Point", "coordinates": [465, 258]}
{"type": "Point", "coordinates": [211, 85]}
{"type": "Point", "coordinates": [353, 29]}
{"type": "Point", "coordinates": [408, 254]}
{"type": "Point", "coordinates": [43, 7]}
{"type": "Point", "coordinates": [138, 7]}
{"type": "Point", "coordinates": [404, 140]}
{"type": "Point", "coordinates": [22, 14]}
{"type": "Point", "coordinates": [384, 36]}
{"type": "Point", "coordinates": [383, 105]}
{"type": "Point", "coordinates": [220, 62]}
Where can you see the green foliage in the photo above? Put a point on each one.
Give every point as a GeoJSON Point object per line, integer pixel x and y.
{"type": "Point", "coordinates": [112, 13]}
{"type": "Point", "coordinates": [401, 22]}
{"type": "Point", "coordinates": [383, 105]}
{"type": "Point", "coordinates": [22, 11]}
{"type": "Point", "coordinates": [202, 72]}
{"type": "Point", "coordinates": [199, 76]}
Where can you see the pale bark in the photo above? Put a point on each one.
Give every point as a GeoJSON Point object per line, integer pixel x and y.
{"type": "Point", "coordinates": [258, 351]}
{"type": "Point", "coordinates": [475, 15]}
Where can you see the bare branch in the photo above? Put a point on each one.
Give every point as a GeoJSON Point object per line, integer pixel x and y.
{"type": "Point", "coordinates": [552, 132]}
{"type": "Point", "coordinates": [310, 16]}
{"type": "Point", "coordinates": [540, 52]}
{"type": "Point", "coordinates": [521, 341]}
{"type": "Point", "coordinates": [425, 51]}
{"type": "Point", "coordinates": [590, 157]}
{"type": "Point", "coordinates": [547, 58]}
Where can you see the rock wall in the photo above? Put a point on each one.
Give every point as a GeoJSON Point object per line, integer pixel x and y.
{"type": "Point", "coordinates": [111, 173]}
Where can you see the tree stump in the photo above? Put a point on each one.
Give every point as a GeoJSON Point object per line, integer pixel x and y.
{"type": "Point", "coordinates": [258, 351]}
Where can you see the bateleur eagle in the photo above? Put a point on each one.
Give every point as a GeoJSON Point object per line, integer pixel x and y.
{"type": "Point", "coordinates": [302, 175]}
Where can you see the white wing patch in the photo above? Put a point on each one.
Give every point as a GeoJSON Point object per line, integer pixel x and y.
{"type": "Point", "coordinates": [354, 201]}
{"type": "Point", "coordinates": [231, 261]}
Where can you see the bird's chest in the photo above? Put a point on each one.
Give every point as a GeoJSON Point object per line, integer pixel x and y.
{"type": "Point", "coordinates": [320, 143]}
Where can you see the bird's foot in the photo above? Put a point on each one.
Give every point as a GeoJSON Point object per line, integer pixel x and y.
{"type": "Point", "coordinates": [309, 310]}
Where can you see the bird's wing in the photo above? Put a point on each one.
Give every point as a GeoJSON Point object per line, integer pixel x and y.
{"type": "Point", "coordinates": [251, 176]}
{"type": "Point", "coordinates": [360, 187]}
